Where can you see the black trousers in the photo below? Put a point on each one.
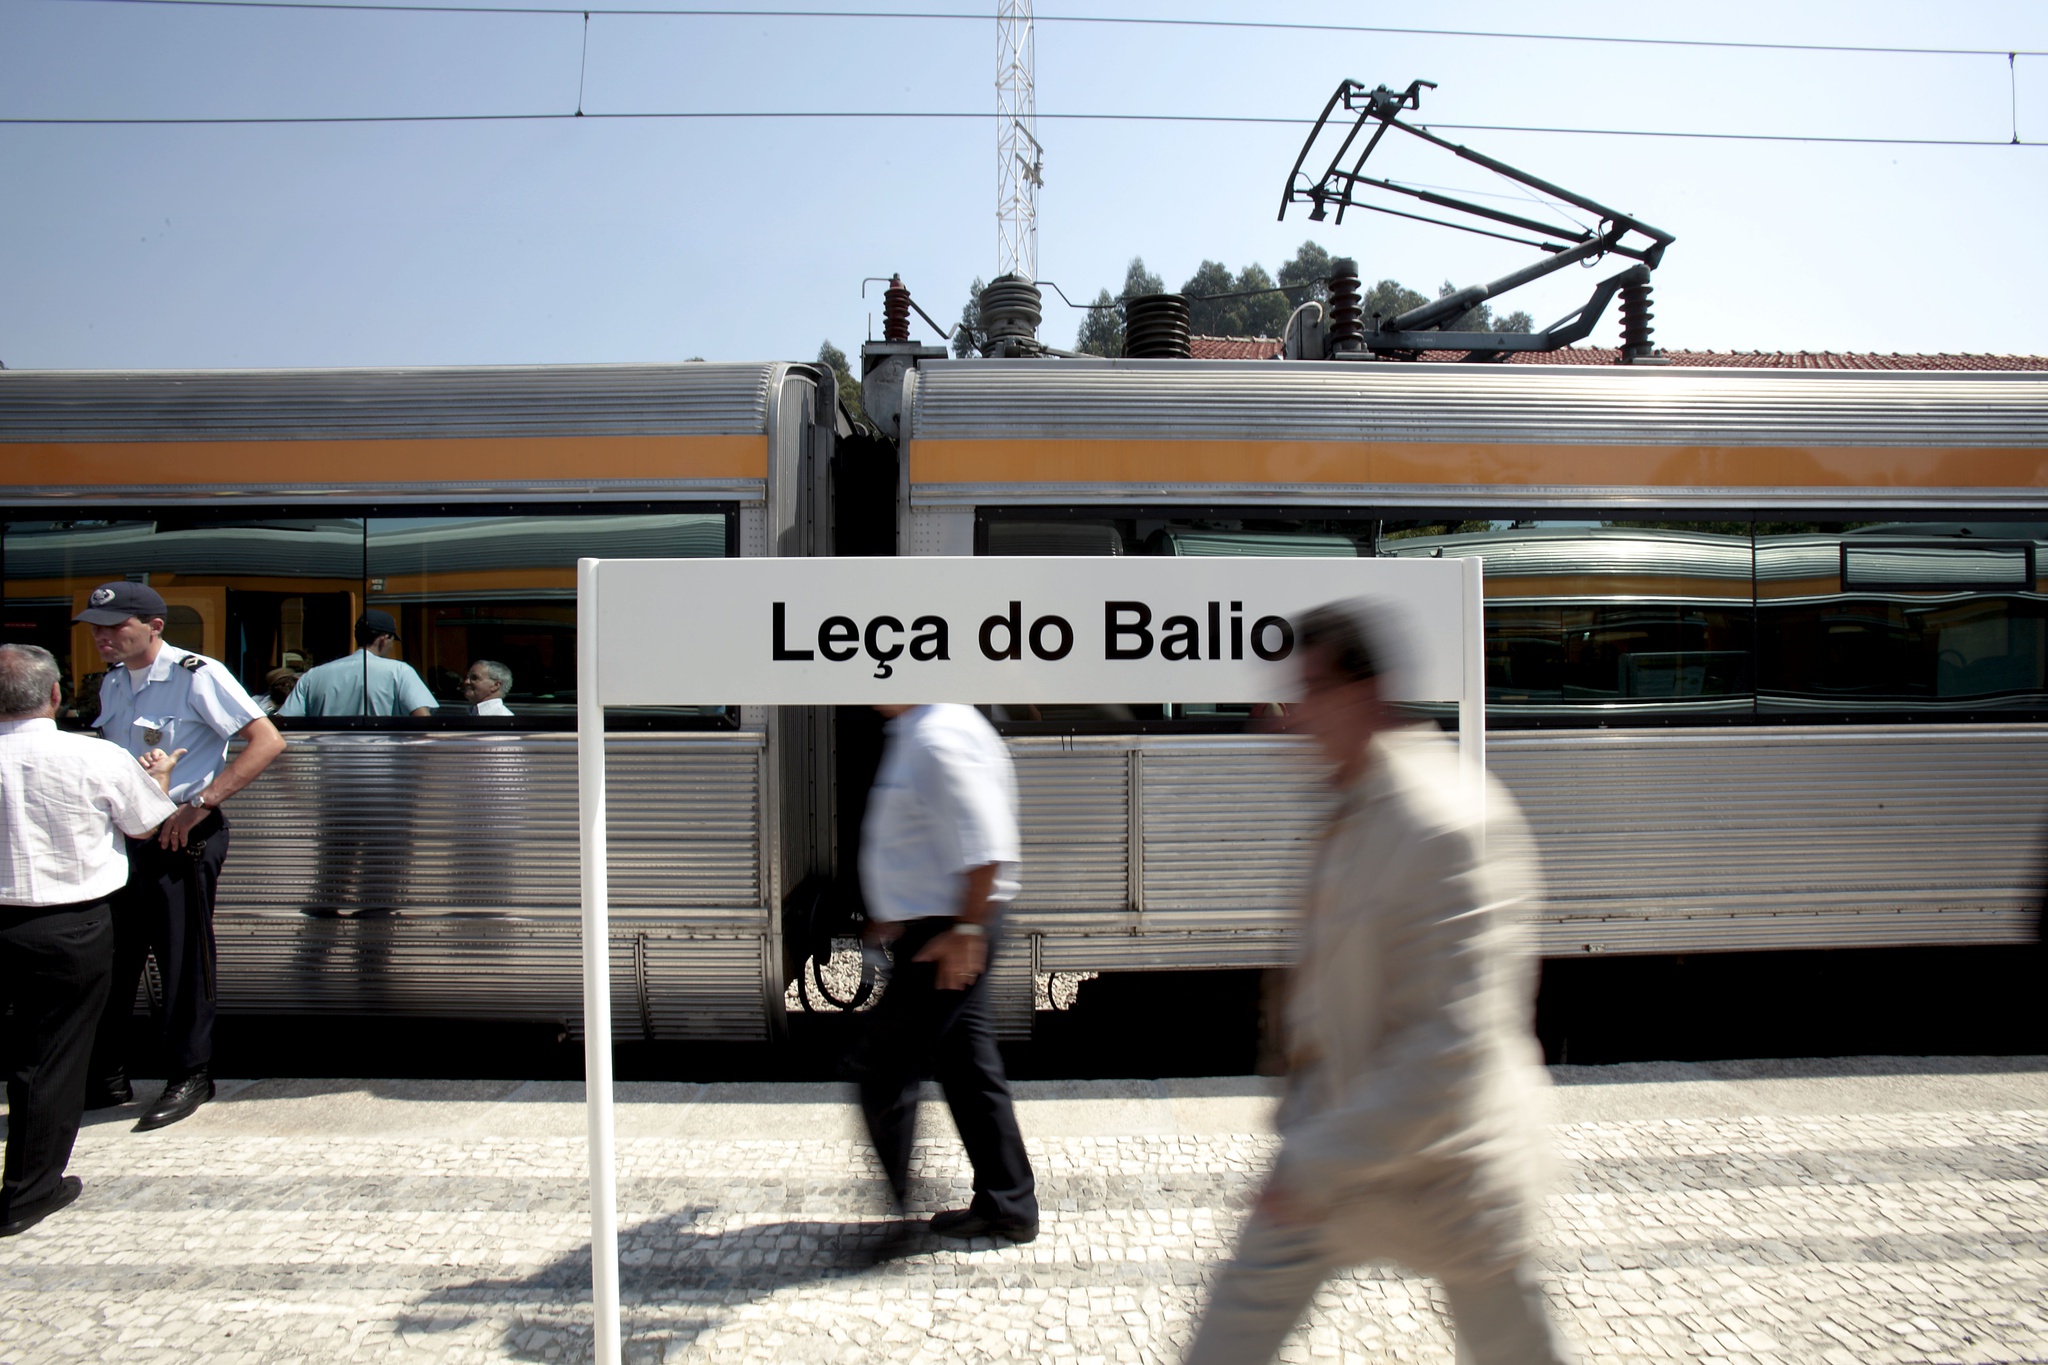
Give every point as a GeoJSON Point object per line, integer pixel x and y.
{"type": "Point", "coordinates": [919, 1030]}
{"type": "Point", "coordinates": [54, 965]}
{"type": "Point", "coordinates": [167, 907]}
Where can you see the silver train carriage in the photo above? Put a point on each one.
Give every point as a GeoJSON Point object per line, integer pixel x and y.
{"type": "Point", "coordinates": [429, 866]}
{"type": "Point", "coordinates": [1765, 649]}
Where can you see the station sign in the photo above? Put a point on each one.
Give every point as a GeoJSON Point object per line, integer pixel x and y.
{"type": "Point", "coordinates": [996, 630]}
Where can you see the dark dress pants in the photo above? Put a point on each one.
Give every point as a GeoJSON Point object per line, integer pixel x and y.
{"type": "Point", "coordinates": [167, 907]}
{"type": "Point", "coordinates": [54, 965]}
{"type": "Point", "coordinates": [918, 1030]}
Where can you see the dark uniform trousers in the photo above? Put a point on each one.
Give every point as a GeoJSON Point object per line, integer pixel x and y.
{"type": "Point", "coordinates": [54, 965]}
{"type": "Point", "coordinates": [918, 1030]}
{"type": "Point", "coordinates": [167, 907]}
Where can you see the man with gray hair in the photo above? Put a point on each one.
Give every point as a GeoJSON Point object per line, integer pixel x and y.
{"type": "Point", "coordinates": [485, 686]}
{"type": "Point", "coordinates": [65, 802]}
{"type": "Point", "coordinates": [1414, 1096]}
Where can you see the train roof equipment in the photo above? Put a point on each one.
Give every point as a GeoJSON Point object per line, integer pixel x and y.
{"type": "Point", "coordinates": [1425, 328]}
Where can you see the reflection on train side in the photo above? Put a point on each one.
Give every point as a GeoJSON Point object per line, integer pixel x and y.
{"type": "Point", "coordinates": [271, 596]}
{"type": "Point", "coordinates": [1625, 617]}
{"type": "Point", "coordinates": [1648, 618]}
{"type": "Point", "coordinates": [1901, 616]}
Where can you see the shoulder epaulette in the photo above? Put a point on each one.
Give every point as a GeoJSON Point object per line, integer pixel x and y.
{"type": "Point", "coordinates": [192, 663]}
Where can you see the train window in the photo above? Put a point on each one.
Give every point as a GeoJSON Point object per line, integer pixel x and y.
{"type": "Point", "coordinates": [1894, 616]}
{"type": "Point", "coordinates": [275, 597]}
{"type": "Point", "coordinates": [501, 590]}
{"type": "Point", "coordinates": [1043, 532]}
{"type": "Point", "coordinates": [1600, 617]}
{"type": "Point", "coordinates": [1055, 538]}
{"type": "Point", "coordinates": [258, 594]}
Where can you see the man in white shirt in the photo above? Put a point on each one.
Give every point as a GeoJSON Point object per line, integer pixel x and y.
{"type": "Point", "coordinates": [939, 859]}
{"type": "Point", "coordinates": [485, 686]}
{"type": "Point", "coordinates": [368, 682]}
{"type": "Point", "coordinates": [65, 802]}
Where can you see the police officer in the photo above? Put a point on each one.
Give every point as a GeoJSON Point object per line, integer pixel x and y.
{"type": "Point", "coordinates": [157, 696]}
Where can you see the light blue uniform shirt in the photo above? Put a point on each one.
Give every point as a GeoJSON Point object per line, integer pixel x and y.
{"type": "Point", "coordinates": [196, 707]}
{"type": "Point", "coordinates": [944, 803]}
{"type": "Point", "coordinates": [363, 684]}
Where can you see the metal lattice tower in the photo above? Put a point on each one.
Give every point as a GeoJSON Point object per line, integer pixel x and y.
{"type": "Point", "coordinates": [1019, 158]}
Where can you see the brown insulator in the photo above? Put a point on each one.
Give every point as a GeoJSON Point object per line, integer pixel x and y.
{"type": "Point", "coordinates": [895, 311]}
{"type": "Point", "coordinates": [1347, 306]}
{"type": "Point", "coordinates": [1156, 327]}
{"type": "Point", "coordinates": [1635, 322]}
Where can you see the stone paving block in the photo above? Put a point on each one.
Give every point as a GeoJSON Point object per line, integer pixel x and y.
{"type": "Point", "coordinates": [1865, 1210]}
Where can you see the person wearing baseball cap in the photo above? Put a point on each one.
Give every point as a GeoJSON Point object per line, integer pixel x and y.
{"type": "Point", "coordinates": [368, 682]}
{"type": "Point", "coordinates": [157, 697]}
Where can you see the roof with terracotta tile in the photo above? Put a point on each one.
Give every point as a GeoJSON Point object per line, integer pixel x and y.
{"type": "Point", "coordinates": [1268, 348]}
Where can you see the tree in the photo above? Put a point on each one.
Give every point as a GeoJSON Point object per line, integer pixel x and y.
{"type": "Point", "coordinates": [1205, 311]}
{"type": "Point", "coordinates": [1102, 331]}
{"type": "Point", "coordinates": [967, 340]}
{"type": "Point", "coordinates": [849, 382]}
{"type": "Point", "coordinates": [1255, 313]}
{"type": "Point", "coordinates": [1389, 299]}
{"type": "Point", "coordinates": [1517, 321]}
{"type": "Point", "coordinates": [1307, 276]}
{"type": "Point", "coordinates": [1138, 281]}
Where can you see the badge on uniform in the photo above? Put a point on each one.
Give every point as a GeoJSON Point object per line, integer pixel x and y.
{"type": "Point", "coordinates": [153, 729]}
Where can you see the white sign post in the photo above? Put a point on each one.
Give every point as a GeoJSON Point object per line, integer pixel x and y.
{"type": "Point", "coordinates": [818, 632]}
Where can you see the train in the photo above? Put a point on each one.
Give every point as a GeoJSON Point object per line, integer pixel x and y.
{"type": "Point", "coordinates": [1766, 650]}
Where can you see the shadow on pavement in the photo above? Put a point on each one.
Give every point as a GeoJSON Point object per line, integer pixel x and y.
{"type": "Point", "coordinates": [676, 1281]}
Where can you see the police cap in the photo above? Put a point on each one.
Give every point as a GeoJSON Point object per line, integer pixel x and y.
{"type": "Point", "coordinates": [112, 603]}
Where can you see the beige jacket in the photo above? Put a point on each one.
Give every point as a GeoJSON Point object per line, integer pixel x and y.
{"type": "Point", "coordinates": [1416, 1105]}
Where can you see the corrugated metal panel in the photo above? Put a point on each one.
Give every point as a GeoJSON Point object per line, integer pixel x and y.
{"type": "Point", "coordinates": [1277, 401]}
{"type": "Point", "coordinates": [1153, 951]}
{"type": "Point", "coordinates": [1072, 808]}
{"type": "Point", "coordinates": [1850, 834]}
{"type": "Point", "coordinates": [701, 988]}
{"type": "Point", "coordinates": [437, 874]}
{"type": "Point", "coordinates": [665, 985]}
{"type": "Point", "coordinates": [1232, 830]}
{"type": "Point", "coordinates": [1671, 840]}
{"type": "Point", "coordinates": [504, 401]}
{"type": "Point", "coordinates": [442, 823]}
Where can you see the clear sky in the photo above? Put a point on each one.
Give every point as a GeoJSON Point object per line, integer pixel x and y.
{"type": "Point", "coordinates": [604, 240]}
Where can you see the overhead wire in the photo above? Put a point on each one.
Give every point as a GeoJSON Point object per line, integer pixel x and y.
{"type": "Point", "coordinates": [953, 16]}
{"type": "Point", "coordinates": [966, 115]}
{"type": "Point", "coordinates": [405, 7]}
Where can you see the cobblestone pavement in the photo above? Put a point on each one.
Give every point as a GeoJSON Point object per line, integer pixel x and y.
{"type": "Point", "coordinates": [1845, 1212]}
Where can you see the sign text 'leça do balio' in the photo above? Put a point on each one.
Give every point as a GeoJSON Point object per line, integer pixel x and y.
{"type": "Point", "coordinates": [1000, 630]}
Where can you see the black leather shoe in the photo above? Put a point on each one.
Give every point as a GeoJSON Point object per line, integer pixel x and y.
{"type": "Point", "coordinates": [962, 1224]}
{"type": "Point", "coordinates": [21, 1219]}
{"type": "Point", "coordinates": [109, 1092]}
{"type": "Point", "coordinates": [179, 1099]}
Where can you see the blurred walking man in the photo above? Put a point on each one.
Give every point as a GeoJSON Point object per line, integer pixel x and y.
{"type": "Point", "coordinates": [939, 860]}
{"type": "Point", "coordinates": [65, 801]}
{"type": "Point", "coordinates": [1409, 1132]}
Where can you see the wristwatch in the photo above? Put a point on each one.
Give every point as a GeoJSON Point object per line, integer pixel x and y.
{"type": "Point", "coordinates": [198, 800]}
{"type": "Point", "coordinates": [970, 928]}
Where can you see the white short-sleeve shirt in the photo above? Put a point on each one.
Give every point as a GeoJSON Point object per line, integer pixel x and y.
{"type": "Point", "coordinates": [944, 803]}
{"type": "Point", "coordinates": [186, 701]}
{"type": "Point", "coordinates": [65, 800]}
